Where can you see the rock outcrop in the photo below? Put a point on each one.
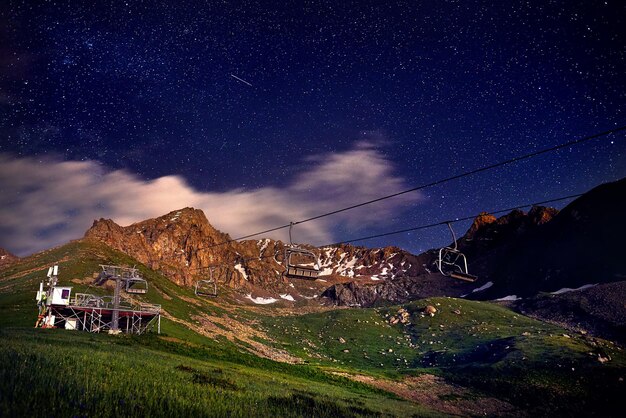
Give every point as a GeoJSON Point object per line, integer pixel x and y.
{"type": "Point", "coordinates": [182, 244]}
{"type": "Point", "coordinates": [6, 258]}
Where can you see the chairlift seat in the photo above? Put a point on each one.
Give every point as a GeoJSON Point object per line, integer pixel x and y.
{"type": "Point", "coordinates": [453, 263]}
{"type": "Point", "coordinates": [302, 272]}
{"type": "Point", "coordinates": [462, 276]}
{"type": "Point", "coordinates": [136, 285]}
{"type": "Point", "coordinates": [299, 270]}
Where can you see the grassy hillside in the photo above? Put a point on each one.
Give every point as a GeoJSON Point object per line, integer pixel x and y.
{"type": "Point", "coordinates": [479, 345]}
{"type": "Point", "coordinates": [55, 373]}
{"type": "Point", "coordinates": [214, 357]}
{"type": "Point", "coordinates": [179, 373]}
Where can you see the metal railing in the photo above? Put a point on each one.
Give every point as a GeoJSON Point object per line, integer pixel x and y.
{"type": "Point", "coordinates": [86, 300]}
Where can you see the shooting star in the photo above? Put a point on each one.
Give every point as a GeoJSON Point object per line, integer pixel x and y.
{"type": "Point", "coordinates": [243, 81]}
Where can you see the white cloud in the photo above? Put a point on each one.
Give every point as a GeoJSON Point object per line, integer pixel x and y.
{"type": "Point", "coordinates": [47, 202]}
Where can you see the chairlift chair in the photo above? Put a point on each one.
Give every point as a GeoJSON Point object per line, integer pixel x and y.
{"type": "Point", "coordinates": [206, 287]}
{"type": "Point", "coordinates": [452, 263]}
{"type": "Point", "coordinates": [296, 265]}
{"type": "Point", "coordinates": [300, 263]}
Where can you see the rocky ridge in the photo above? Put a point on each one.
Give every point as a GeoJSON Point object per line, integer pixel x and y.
{"type": "Point", "coordinates": [182, 244]}
{"type": "Point", "coordinates": [580, 245]}
{"type": "Point", "coordinates": [487, 237]}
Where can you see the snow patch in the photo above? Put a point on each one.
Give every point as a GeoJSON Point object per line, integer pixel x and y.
{"type": "Point", "coordinates": [483, 287]}
{"type": "Point", "coordinates": [326, 272]}
{"type": "Point", "coordinates": [287, 297]}
{"type": "Point", "coordinates": [241, 270]}
{"type": "Point", "coordinates": [265, 242]}
{"type": "Point", "coordinates": [375, 277]}
{"type": "Point", "coordinates": [568, 289]}
{"type": "Point", "coordinates": [260, 300]}
{"type": "Point", "coordinates": [509, 298]}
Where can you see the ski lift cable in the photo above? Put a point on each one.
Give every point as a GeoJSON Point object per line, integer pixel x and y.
{"type": "Point", "coordinates": [416, 228]}
{"type": "Point", "coordinates": [431, 184]}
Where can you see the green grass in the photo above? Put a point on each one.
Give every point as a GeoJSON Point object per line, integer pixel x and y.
{"type": "Point", "coordinates": [60, 373]}
{"type": "Point", "coordinates": [480, 345]}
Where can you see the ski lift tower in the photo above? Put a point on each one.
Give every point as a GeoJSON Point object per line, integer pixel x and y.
{"type": "Point", "coordinates": [128, 277]}
{"type": "Point", "coordinates": [86, 312]}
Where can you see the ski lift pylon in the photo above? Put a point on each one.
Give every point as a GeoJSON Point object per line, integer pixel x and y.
{"type": "Point", "coordinates": [299, 263]}
{"type": "Point", "coordinates": [452, 263]}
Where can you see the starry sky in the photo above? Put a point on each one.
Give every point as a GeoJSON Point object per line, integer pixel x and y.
{"type": "Point", "coordinates": [239, 100]}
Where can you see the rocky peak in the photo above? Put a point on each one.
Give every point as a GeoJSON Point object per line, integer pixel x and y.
{"type": "Point", "coordinates": [479, 223]}
{"type": "Point", "coordinates": [182, 243]}
{"type": "Point", "coordinates": [177, 243]}
{"type": "Point", "coordinates": [540, 215]}
{"type": "Point", "coordinates": [488, 232]}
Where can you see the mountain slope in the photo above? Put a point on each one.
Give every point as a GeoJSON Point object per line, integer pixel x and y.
{"type": "Point", "coordinates": [597, 309]}
{"type": "Point", "coordinates": [518, 254]}
{"type": "Point", "coordinates": [582, 244]}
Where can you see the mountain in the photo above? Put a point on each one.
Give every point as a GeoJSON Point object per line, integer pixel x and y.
{"type": "Point", "coordinates": [215, 356]}
{"type": "Point", "coordinates": [171, 243]}
{"type": "Point", "coordinates": [486, 239]}
{"type": "Point", "coordinates": [520, 253]}
{"type": "Point", "coordinates": [580, 245]}
{"type": "Point", "coordinates": [183, 244]}
{"type": "Point", "coordinates": [6, 258]}
{"type": "Point", "coordinates": [438, 356]}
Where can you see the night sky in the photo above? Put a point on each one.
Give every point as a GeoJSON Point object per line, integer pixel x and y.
{"type": "Point", "coordinates": [235, 97]}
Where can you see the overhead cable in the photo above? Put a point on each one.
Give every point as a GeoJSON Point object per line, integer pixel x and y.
{"type": "Point", "coordinates": [415, 228]}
